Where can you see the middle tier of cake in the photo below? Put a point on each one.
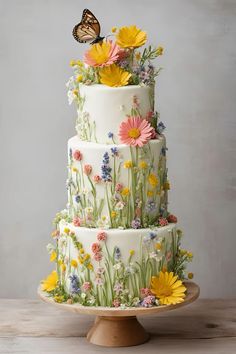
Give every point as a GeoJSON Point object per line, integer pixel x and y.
{"type": "Point", "coordinates": [117, 186]}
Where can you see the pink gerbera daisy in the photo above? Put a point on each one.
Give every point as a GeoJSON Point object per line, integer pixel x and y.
{"type": "Point", "coordinates": [135, 131]}
{"type": "Point", "coordinates": [102, 54]}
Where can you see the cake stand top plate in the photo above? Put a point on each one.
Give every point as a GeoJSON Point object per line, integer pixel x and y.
{"type": "Point", "coordinates": [193, 292]}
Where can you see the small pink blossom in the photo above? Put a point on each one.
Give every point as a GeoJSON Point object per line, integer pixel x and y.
{"type": "Point", "coordinates": [97, 178]}
{"type": "Point", "coordinates": [99, 281]}
{"type": "Point", "coordinates": [135, 131]}
{"type": "Point", "coordinates": [149, 116]}
{"type": "Point", "coordinates": [119, 187]}
{"type": "Point", "coordinates": [116, 303]}
{"type": "Point", "coordinates": [163, 221]}
{"type": "Point", "coordinates": [100, 270]}
{"type": "Point", "coordinates": [154, 134]}
{"type": "Point", "coordinates": [97, 256]}
{"type": "Point", "coordinates": [86, 286]}
{"type": "Point", "coordinates": [77, 155]}
{"type": "Point", "coordinates": [101, 236]}
{"type": "Point", "coordinates": [168, 256]}
{"type": "Point", "coordinates": [87, 169]}
{"type": "Point", "coordinates": [136, 102]}
{"type": "Point", "coordinates": [172, 218]}
{"type": "Point", "coordinates": [145, 292]}
{"type": "Point", "coordinates": [95, 247]}
{"type": "Point", "coordinates": [76, 221]}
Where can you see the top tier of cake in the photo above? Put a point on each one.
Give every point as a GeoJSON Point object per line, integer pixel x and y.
{"type": "Point", "coordinates": [101, 109]}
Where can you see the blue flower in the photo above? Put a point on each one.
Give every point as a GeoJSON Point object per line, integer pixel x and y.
{"type": "Point", "coordinates": [151, 206]}
{"type": "Point", "coordinates": [77, 198]}
{"type": "Point", "coordinates": [106, 169]}
{"type": "Point", "coordinates": [160, 127]}
{"type": "Point", "coordinates": [152, 235]}
{"type": "Point", "coordinates": [74, 284]}
{"type": "Point", "coordinates": [163, 150]}
{"type": "Point", "coordinates": [110, 135]}
{"type": "Point", "coordinates": [117, 253]}
{"type": "Point", "coordinates": [136, 223]}
{"type": "Point", "coordinates": [114, 151]}
{"type": "Point", "coordinates": [106, 158]}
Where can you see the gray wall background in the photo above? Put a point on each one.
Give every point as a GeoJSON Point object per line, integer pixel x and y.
{"type": "Point", "coordinates": [196, 100]}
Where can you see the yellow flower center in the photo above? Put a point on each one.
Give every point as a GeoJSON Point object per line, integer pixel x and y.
{"type": "Point", "coordinates": [166, 291]}
{"type": "Point", "coordinates": [134, 133]}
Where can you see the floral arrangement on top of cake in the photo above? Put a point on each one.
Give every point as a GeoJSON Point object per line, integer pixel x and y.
{"type": "Point", "coordinates": [114, 62]}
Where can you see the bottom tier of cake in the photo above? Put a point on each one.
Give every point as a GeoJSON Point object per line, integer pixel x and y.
{"type": "Point", "coordinates": [116, 267]}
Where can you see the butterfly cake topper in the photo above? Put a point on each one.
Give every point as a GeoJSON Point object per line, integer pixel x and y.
{"type": "Point", "coordinates": [88, 30]}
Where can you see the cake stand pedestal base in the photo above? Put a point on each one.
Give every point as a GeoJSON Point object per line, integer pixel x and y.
{"type": "Point", "coordinates": [110, 331]}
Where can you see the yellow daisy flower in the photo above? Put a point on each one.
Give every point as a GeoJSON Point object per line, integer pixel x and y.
{"type": "Point", "coordinates": [143, 165]}
{"type": "Point", "coordinates": [125, 192]}
{"type": "Point", "coordinates": [79, 78]}
{"type": "Point", "coordinates": [53, 256]}
{"type": "Point", "coordinates": [168, 288]}
{"type": "Point", "coordinates": [114, 76]}
{"type": "Point", "coordinates": [113, 214]}
{"type": "Point", "coordinates": [150, 193]}
{"type": "Point", "coordinates": [128, 164]}
{"type": "Point", "coordinates": [131, 37]}
{"type": "Point", "coordinates": [63, 267]}
{"type": "Point", "coordinates": [159, 50]}
{"type": "Point", "coordinates": [50, 283]}
{"type": "Point", "coordinates": [74, 263]}
{"type": "Point", "coordinates": [152, 179]}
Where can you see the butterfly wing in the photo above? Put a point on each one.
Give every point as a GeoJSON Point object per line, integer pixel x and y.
{"type": "Point", "coordinates": [88, 29]}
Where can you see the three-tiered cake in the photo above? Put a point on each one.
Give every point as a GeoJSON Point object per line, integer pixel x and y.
{"type": "Point", "coordinates": [116, 242]}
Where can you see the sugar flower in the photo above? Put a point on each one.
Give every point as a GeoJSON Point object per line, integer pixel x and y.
{"type": "Point", "coordinates": [74, 284]}
{"type": "Point", "coordinates": [135, 131]}
{"type": "Point", "coordinates": [162, 221]}
{"type": "Point", "coordinates": [152, 179]}
{"type": "Point", "coordinates": [95, 247]}
{"type": "Point", "coordinates": [114, 76]}
{"type": "Point", "coordinates": [87, 169]}
{"type": "Point", "coordinates": [74, 263]}
{"type": "Point", "coordinates": [50, 283]}
{"type": "Point", "coordinates": [77, 155]}
{"type": "Point", "coordinates": [119, 187]}
{"type": "Point", "coordinates": [136, 223]}
{"type": "Point", "coordinates": [117, 253]}
{"type": "Point", "coordinates": [148, 301]}
{"type": "Point", "coordinates": [76, 221]}
{"type": "Point", "coordinates": [106, 169]}
{"type": "Point", "coordinates": [101, 236]}
{"type": "Point", "coordinates": [102, 54]}
{"type": "Point", "coordinates": [97, 256]}
{"type": "Point", "coordinates": [160, 127]}
{"type": "Point", "coordinates": [97, 178]}
{"type": "Point", "coordinates": [145, 292]}
{"type": "Point", "coordinates": [131, 37]}
{"type": "Point", "coordinates": [168, 288]}
{"type": "Point", "coordinates": [172, 218]}
{"type": "Point", "coordinates": [128, 164]}
{"type": "Point", "coordinates": [86, 286]}
{"type": "Point", "coordinates": [116, 303]}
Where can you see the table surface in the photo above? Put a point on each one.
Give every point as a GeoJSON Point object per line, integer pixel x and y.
{"type": "Point", "coordinates": [31, 326]}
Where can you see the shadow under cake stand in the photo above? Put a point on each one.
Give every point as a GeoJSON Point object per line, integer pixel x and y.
{"type": "Point", "coordinates": [115, 327]}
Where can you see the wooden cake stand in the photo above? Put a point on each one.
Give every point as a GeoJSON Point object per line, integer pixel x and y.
{"type": "Point", "coordinates": [115, 327]}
